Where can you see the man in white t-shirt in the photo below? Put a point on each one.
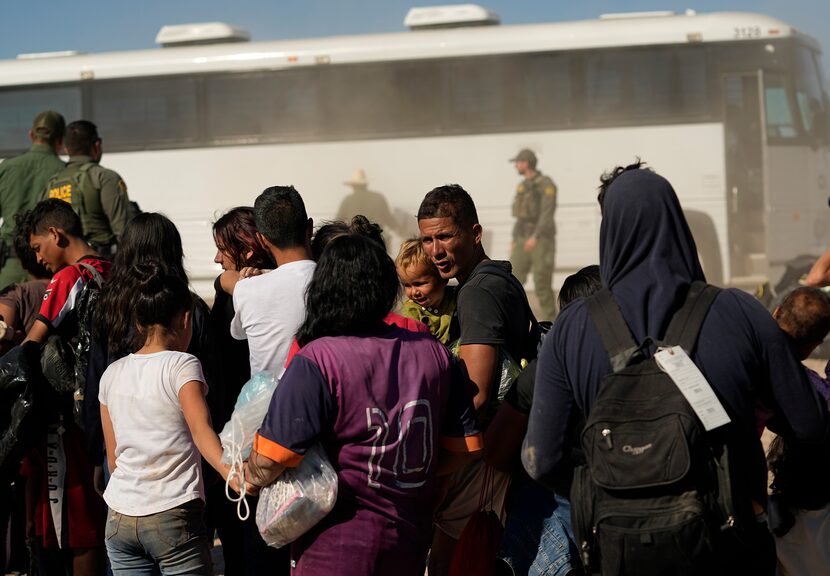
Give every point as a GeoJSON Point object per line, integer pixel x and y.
{"type": "Point", "coordinates": [270, 307]}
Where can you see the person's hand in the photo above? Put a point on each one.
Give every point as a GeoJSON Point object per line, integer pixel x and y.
{"type": "Point", "coordinates": [249, 272]}
{"type": "Point", "coordinates": [98, 479]}
{"type": "Point", "coordinates": [233, 482]}
{"type": "Point", "coordinates": [530, 244]}
{"type": "Point", "coordinates": [251, 489]}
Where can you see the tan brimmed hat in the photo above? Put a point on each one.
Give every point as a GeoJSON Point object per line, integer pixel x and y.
{"type": "Point", "coordinates": [357, 179]}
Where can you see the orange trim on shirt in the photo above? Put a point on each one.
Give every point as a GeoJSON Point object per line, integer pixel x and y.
{"type": "Point", "coordinates": [277, 453]}
{"type": "Point", "coordinates": [473, 443]}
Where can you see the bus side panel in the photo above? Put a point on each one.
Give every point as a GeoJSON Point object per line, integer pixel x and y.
{"type": "Point", "coordinates": [194, 186]}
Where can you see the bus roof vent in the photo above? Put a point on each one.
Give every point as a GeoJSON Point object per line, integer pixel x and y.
{"type": "Point", "coordinates": [451, 16]}
{"type": "Point", "coordinates": [44, 55]}
{"type": "Point", "coordinates": [624, 15]}
{"type": "Point", "coordinates": [204, 33]}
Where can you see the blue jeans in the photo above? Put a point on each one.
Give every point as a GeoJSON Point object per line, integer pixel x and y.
{"type": "Point", "coordinates": [538, 538]}
{"type": "Point", "coordinates": [169, 542]}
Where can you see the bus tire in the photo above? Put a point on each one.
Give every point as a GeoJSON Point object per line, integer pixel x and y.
{"type": "Point", "coordinates": [708, 248]}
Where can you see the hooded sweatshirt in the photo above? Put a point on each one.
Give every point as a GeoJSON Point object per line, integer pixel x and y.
{"type": "Point", "coordinates": [648, 259]}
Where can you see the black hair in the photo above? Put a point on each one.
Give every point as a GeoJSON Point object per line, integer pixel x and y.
{"type": "Point", "coordinates": [353, 288]}
{"type": "Point", "coordinates": [449, 201]}
{"type": "Point", "coordinates": [149, 236]}
{"type": "Point", "coordinates": [54, 213]}
{"type": "Point", "coordinates": [27, 256]}
{"type": "Point", "coordinates": [359, 225]}
{"type": "Point", "coordinates": [581, 284]}
{"type": "Point", "coordinates": [805, 315]}
{"type": "Point", "coordinates": [159, 296]}
{"type": "Point", "coordinates": [80, 138]}
{"type": "Point", "coordinates": [281, 217]}
{"type": "Point", "coordinates": [608, 178]}
{"type": "Point", "coordinates": [235, 234]}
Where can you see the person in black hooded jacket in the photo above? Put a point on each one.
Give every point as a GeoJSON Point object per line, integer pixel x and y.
{"type": "Point", "coordinates": [648, 260]}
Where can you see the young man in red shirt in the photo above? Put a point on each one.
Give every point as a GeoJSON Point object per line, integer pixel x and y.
{"type": "Point", "coordinates": [68, 515]}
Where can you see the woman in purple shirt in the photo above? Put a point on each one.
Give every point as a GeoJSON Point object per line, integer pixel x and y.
{"type": "Point", "coordinates": [385, 403]}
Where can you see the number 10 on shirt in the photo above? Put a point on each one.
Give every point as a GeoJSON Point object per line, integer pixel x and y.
{"type": "Point", "coordinates": [410, 451]}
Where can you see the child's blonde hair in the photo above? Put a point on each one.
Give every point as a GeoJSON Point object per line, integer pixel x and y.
{"type": "Point", "coordinates": [412, 253]}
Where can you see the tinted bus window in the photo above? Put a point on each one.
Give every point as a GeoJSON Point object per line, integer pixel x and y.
{"type": "Point", "coordinates": [548, 90]}
{"type": "Point", "coordinates": [262, 106]}
{"type": "Point", "coordinates": [146, 112]}
{"type": "Point", "coordinates": [18, 107]}
{"type": "Point", "coordinates": [781, 125]}
{"type": "Point", "coordinates": [658, 85]}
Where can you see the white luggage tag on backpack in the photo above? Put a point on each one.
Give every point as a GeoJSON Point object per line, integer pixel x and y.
{"type": "Point", "coordinates": [692, 383]}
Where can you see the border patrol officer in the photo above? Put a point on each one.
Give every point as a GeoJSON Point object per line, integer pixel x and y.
{"type": "Point", "coordinates": [371, 204]}
{"type": "Point", "coordinates": [97, 194]}
{"type": "Point", "coordinates": [534, 233]}
{"type": "Point", "coordinates": [21, 181]}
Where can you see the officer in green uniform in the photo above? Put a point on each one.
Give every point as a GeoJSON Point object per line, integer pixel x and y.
{"type": "Point", "coordinates": [534, 233]}
{"type": "Point", "coordinates": [97, 194]}
{"type": "Point", "coordinates": [22, 180]}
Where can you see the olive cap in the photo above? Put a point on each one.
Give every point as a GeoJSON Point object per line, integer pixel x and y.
{"type": "Point", "coordinates": [49, 124]}
{"type": "Point", "coordinates": [526, 155]}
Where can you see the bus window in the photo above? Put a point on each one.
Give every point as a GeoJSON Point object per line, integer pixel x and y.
{"type": "Point", "coordinates": [479, 94]}
{"type": "Point", "coordinates": [547, 90]}
{"type": "Point", "coordinates": [262, 106]}
{"type": "Point", "coordinates": [18, 107]}
{"type": "Point", "coordinates": [658, 85]}
{"type": "Point", "coordinates": [145, 112]}
{"type": "Point", "coordinates": [781, 125]}
{"type": "Point", "coordinates": [604, 86]}
{"type": "Point", "coordinates": [383, 99]}
{"type": "Point", "coordinates": [808, 93]}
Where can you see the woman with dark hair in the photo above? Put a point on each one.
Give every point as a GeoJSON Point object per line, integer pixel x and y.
{"type": "Point", "coordinates": [149, 237]}
{"type": "Point", "coordinates": [358, 226]}
{"type": "Point", "coordinates": [237, 248]}
{"type": "Point", "coordinates": [382, 401]}
{"type": "Point", "coordinates": [331, 229]}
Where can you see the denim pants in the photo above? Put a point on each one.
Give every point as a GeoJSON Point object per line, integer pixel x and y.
{"type": "Point", "coordinates": [169, 542]}
{"type": "Point", "coordinates": [538, 538]}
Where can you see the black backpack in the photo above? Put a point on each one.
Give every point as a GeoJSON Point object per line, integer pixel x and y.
{"type": "Point", "coordinates": [654, 494]}
{"type": "Point", "coordinates": [65, 356]}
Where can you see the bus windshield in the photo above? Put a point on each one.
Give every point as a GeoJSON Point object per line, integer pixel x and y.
{"type": "Point", "coordinates": [795, 103]}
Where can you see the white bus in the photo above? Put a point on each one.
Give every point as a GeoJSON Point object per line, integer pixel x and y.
{"type": "Point", "coordinates": [730, 107]}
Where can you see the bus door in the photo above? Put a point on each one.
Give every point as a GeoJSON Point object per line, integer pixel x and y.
{"type": "Point", "coordinates": [796, 163]}
{"type": "Point", "coordinates": [744, 175]}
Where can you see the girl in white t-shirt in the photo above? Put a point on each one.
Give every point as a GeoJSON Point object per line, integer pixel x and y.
{"type": "Point", "coordinates": [155, 418]}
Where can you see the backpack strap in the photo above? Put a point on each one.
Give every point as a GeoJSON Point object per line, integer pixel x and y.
{"type": "Point", "coordinates": [615, 334]}
{"type": "Point", "coordinates": [492, 268]}
{"type": "Point", "coordinates": [685, 325]}
{"type": "Point", "coordinates": [94, 271]}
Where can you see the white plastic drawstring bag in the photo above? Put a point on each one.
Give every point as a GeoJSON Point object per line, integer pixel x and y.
{"type": "Point", "coordinates": [237, 436]}
{"type": "Point", "coordinates": [297, 500]}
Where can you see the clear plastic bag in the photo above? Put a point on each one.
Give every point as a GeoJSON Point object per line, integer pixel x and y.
{"type": "Point", "coordinates": [237, 437]}
{"type": "Point", "coordinates": [297, 500]}
{"type": "Point", "coordinates": [509, 369]}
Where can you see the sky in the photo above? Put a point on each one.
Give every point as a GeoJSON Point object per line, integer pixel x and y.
{"type": "Point", "coordinates": [114, 25]}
